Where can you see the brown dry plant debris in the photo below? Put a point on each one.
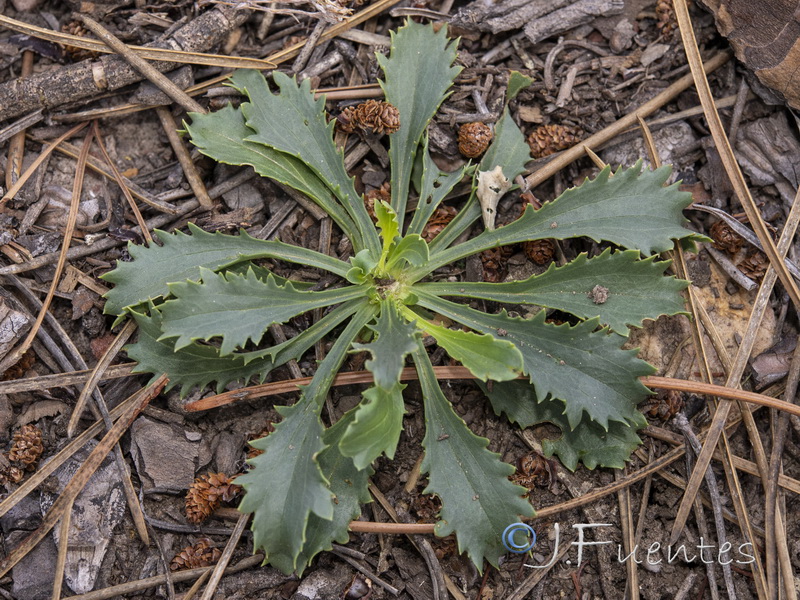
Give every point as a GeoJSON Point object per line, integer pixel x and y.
{"type": "Point", "coordinates": [438, 221]}
{"type": "Point", "coordinates": [667, 22]}
{"type": "Point", "coordinates": [207, 493]}
{"type": "Point", "coordinates": [373, 115]}
{"type": "Point", "coordinates": [201, 554]}
{"type": "Point", "coordinates": [377, 195]}
{"type": "Point", "coordinates": [725, 238]}
{"type": "Point", "coordinates": [473, 139]}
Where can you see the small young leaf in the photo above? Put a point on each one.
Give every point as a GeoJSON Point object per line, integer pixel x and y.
{"type": "Point", "coordinates": [181, 256]}
{"type": "Point", "coordinates": [588, 442]}
{"type": "Point", "coordinates": [377, 425]}
{"type": "Point", "coordinates": [485, 356]}
{"type": "Point", "coordinates": [379, 418]}
{"type": "Point", "coordinates": [417, 77]}
{"type": "Point", "coordinates": [238, 308]}
{"type": "Point", "coordinates": [633, 289]}
{"type": "Point", "coordinates": [478, 500]}
{"type": "Point", "coordinates": [395, 339]}
{"type": "Point", "coordinates": [584, 368]}
{"type": "Point", "coordinates": [411, 249]}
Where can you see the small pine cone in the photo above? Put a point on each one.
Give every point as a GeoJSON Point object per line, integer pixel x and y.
{"type": "Point", "coordinates": [473, 139]}
{"type": "Point", "coordinates": [495, 263]}
{"type": "Point", "coordinates": [667, 21]}
{"type": "Point", "coordinates": [549, 139]}
{"type": "Point", "coordinates": [382, 117]}
{"type": "Point", "coordinates": [202, 554]}
{"type": "Point", "coordinates": [377, 195]}
{"type": "Point", "coordinates": [754, 265]}
{"type": "Point", "coordinates": [75, 53]}
{"type": "Point", "coordinates": [11, 474]}
{"type": "Point", "coordinates": [438, 221]}
{"type": "Point", "coordinates": [540, 251]}
{"type": "Point", "coordinates": [372, 115]}
{"type": "Point", "coordinates": [207, 493]}
{"type": "Point", "coordinates": [27, 446]}
{"type": "Point", "coordinates": [725, 238]}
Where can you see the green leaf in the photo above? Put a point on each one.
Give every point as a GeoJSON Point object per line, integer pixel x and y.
{"type": "Point", "coordinates": [222, 135]}
{"type": "Point", "coordinates": [295, 347]}
{"type": "Point", "coordinates": [411, 249]}
{"type": "Point", "coordinates": [417, 77]}
{"type": "Point", "coordinates": [379, 418]}
{"type": "Point", "coordinates": [294, 122]}
{"type": "Point", "coordinates": [435, 185]}
{"type": "Point", "coordinates": [286, 486]}
{"type": "Point", "coordinates": [485, 356]}
{"type": "Point", "coordinates": [631, 209]}
{"type": "Point", "coordinates": [195, 365]}
{"type": "Point", "coordinates": [377, 425]}
{"type": "Point", "coordinates": [508, 150]}
{"type": "Point", "coordinates": [181, 256]}
{"type": "Point", "coordinates": [348, 485]}
{"type": "Point", "coordinates": [630, 291]}
{"type": "Point", "coordinates": [516, 83]}
{"type": "Point", "coordinates": [588, 442]}
{"type": "Point", "coordinates": [238, 308]}
{"type": "Point", "coordinates": [478, 500]}
{"type": "Point", "coordinates": [395, 339]}
{"type": "Point", "coordinates": [584, 368]}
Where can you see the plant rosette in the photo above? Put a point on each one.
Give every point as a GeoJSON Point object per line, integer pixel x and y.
{"type": "Point", "coordinates": [203, 307]}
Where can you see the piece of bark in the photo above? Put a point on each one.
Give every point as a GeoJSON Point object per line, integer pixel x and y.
{"type": "Point", "coordinates": [13, 325]}
{"type": "Point", "coordinates": [506, 15]}
{"type": "Point", "coordinates": [766, 38]}
{"type": "Point", "coordinates": [569, 17]}
{"type": "Point", "coordinates": [108, 73]}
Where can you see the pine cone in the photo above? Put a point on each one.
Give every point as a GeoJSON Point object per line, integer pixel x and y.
{"type": "Point", "coordinates": [754, 265]}
{"type": "Point", "coordinates": [473, 139]}
{"type": "Point", "coordinates": [549, 139]}
{"type": "Point", "coordinates": [667, 21]}
{"type": "Point", "coordinates": [725, 238]}
{"type": "Point", "coordinates": [438, 221]}
{"type": "Point", "coordinates": [27, 447]}
{"type": "Point", "coordinates": [202, 554]}
{"type": "Point", "coordinates": [372, 115]}
{"type": "Point", "coordinates": [74, 53]}
{"type": "Point", "coordinates": [11, 474]}
{"type": "Point", "coordinates": [207, 493]}
{"type": "Point", "coordinates": [495, 263]}
{"type": "Point", "coordinates": [540, 251]}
